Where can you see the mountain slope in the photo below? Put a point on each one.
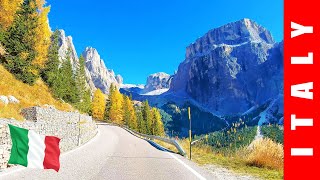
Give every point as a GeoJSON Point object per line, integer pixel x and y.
{"type": "Point", "coordinates": [97, 74]}
{"type": "Point", "coordinates": [66, 46]}
{"type": "Point", "coordinates": [36, 95]}
{"type": "Point", "coordinates": [231, 68]}
{"type": "Point", "coordinates": [233, 71]}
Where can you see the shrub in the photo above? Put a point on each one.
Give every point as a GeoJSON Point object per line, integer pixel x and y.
{"type": "Point", "coordinates": [265, 153]}
{"type": "Point", "coordinates": [273, 131]}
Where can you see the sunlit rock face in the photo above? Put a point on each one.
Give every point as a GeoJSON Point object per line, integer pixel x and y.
{"type": "Point", "coordinates": [101, 76]}
{"type": "Point", "coordinates": [231, 68]}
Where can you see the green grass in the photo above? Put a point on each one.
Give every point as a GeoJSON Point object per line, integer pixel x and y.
{"type": "Point", "coordinates": [273, 131]}
{"type": "Point", "coordinates": [228, 148]}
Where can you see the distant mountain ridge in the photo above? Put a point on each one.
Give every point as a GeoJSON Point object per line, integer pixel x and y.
{"type": "Point", "coordinates": [233, 70]}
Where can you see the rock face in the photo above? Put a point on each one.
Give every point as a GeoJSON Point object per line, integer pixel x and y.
{"type": "Point", "coordinates": [232, 68]}
{"type": "Point", "coordinates": [66, 46]}
{"type": "Point", "coordinates": [101, 77]}
{"type": "Point", "coordinates": [4, 99]}
{"type": "Point", "coordinates": [97, 75]}
{"type": "Point", "coordinates": [157, 81]}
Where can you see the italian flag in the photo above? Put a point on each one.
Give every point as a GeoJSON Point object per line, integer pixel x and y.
{"type": "Point", "coordinates": [33, 150]}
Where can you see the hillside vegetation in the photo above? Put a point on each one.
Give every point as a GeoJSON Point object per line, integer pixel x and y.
{"type": "Point", "coordinates": [36, 95]}
{"type": "Point", "coordinates": [236, 148]}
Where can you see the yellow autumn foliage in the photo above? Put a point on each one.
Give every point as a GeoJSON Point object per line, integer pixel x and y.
{"type": "Point", "coordinates": [8, 9]}
{"type": "Point", "coordinates": [36, 95]}
{"type": "Point", "coordinates": [43, 33]}
{"type": "Point", "coordinates": [98, 105]}
{"type": "Point", "coordinates": [116, 107]}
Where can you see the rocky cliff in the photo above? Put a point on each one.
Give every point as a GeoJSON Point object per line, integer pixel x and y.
{"type": "Point", "coordinates": [97, 74]}
{"type": "Point", "coordinates": [66, 46]}
{"type": "Point", "coordinates": [157, 81]}
{"type": "Point", "coordinates": [101, 76]}
{"type": "Point", "coordinates": [231, 68]}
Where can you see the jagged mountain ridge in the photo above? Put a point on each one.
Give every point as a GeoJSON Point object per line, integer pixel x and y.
{"type": "Point", "coordinates": [231, 68]}
{"type": "Point", "coordinates": [97, 74]}
{"type": "Point", "coordinates": [101, 76]}
{"type": "Point", "coordinates": [157, 81]}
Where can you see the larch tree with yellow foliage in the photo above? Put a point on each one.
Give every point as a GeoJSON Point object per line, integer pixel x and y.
{"type": "Point", "coordinates": [157, 124]}
{"type": "Point", "coordinates": [129, 115]}
{"type": "Point", "coordinates": [8, 9]}
{"type": "Point", "coordinates": [25, 37]}
{"type": "Point", "coordinates": [116, 107]}
{"type": "Point", "coordinates": [43, 34]}
{"type": "Point", "coordinates": [98, 105]}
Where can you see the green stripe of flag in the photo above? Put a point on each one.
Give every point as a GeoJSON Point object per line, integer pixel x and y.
{"type": "Point", "coordinates": [20, 147]}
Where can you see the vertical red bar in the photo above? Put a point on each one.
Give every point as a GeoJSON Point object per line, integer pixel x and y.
{"type": "Point", "coordinates": [306, 13]}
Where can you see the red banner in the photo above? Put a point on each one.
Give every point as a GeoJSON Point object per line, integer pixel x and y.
{"type": "Point", "coordinates": [301, 89]}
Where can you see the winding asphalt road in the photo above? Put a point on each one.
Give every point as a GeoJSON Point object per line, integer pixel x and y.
{"type": "Point", "coordinates": [116, 154]}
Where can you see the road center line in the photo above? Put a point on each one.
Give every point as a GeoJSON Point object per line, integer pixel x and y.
{"type": "Point", "coordinates": [188, 167]}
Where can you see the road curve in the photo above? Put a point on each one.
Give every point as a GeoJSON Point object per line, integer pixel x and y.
{"type": "Point", "coordinates": [117, 154]}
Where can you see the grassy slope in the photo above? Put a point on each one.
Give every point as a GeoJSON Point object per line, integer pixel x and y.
{"type": "Point", "coordinates": [36, 95]}
{"type": "Point", "coordinates": [205, 155]}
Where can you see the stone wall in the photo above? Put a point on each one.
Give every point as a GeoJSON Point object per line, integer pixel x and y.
{"type": "Point", "coordinates": [72, 128]}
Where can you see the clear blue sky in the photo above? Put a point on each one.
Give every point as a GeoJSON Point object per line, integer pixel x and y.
{"type": "Point", "coordinates": [140, 37]}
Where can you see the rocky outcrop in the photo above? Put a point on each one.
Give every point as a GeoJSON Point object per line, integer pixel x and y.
{"type": "Point", "coordinates": [232, 68]}
{"type": "Point", "coordinates": [4, 99]}
{"type": "Point", "coordinates": [66, 46]}
{"type": "Point", "coordinates": [157, 81]}
{"type": "Point", "coordinates": [101, 77]}
{"type": "Point", "coordinates": [97, 75]}
{"type": "Point", "coordinates": [8, 99]}
{"type": "Point", "coordinates": [119, 79]}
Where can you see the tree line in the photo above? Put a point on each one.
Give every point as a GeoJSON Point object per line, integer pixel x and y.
{"type": "Point", "coordinates": [30, 50]}
{"type": "Point", "coordinates": [120, 109]}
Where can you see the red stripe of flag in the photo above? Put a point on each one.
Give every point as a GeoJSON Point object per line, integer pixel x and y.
{"type": "Point", "coordinates": [52, 153]}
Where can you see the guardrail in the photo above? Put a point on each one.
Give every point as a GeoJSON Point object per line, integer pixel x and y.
{"type": "Point", "coordinates": [150, 137]}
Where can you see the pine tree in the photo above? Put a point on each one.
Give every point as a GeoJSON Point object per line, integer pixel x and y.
{"type": "Point", "coordinates": [80, 77]}
{"type": "Point", "coordinates": [147, 117]}
{"type": "Point", "coordinates": [83, 92]}
{"type": "Point", "coordinates": [19, 42]}
{"type": "Point", "coordinates": [86, 103]}
{"type": "Point", "coordinates": [98, 105]}
{"type": "Point", "coordinates": [50, 72]}
{"type": "Point", "coordinates": [108, 102]}
{"type": "Point", "coordinates": [140, 121]}
{"type": "Point", "coordinates": [65, 85]}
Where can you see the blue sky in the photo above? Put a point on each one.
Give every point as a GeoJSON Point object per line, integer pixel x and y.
{"type": "Point", "coordinates": [140, 37]}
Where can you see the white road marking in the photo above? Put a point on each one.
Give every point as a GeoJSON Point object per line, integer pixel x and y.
{"type": "Point", "coordinates": [188, 167]}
